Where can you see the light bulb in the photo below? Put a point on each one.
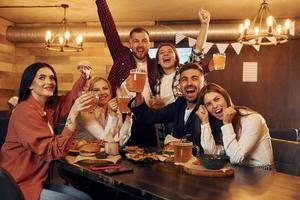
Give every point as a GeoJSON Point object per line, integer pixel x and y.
{"type": "Point", "coordinates": [270, 21]}
{"type": "Point", "coordinates": [247, 23]}
{"type": "Point", "coordinates": [67, 35]}
{"type": "Point", "coordinates": [279, 29]}
{"type": "Point", "coordinates": [241, 28]}
{"type": "Point", "coordinates": [256, 30]}
{"type": "Point", "coordinates": [287, 24]}
{"type": "Point", "coordinates": [61, 40]}
{"type": "Point", "coordinates": [79, 39]}
{"type": "Point", "coordinates": [48, 36]}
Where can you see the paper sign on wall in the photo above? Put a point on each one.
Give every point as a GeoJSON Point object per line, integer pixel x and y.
{"type": "Point", "coordinates": [250, 72]}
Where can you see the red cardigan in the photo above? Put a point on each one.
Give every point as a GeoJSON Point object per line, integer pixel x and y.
{"type": "Point", "coordinates": [30, 146]}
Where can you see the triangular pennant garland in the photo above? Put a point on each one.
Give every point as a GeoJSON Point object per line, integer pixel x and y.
{"type": "Point", "coordinates": [272, 39]}
{"type": "Point", "coordinates": [192, 42]}
{"type": "Point", "coordinates": [256, 47]}
{"type": "Point", "coordinates": [179, 37]}
{"type": "Point", "coordinates": [237, 47]}
{"type": "Point", "coordinates": [292, 28]}
{"type": "Point", "coordinates": [207, 46]}
{"type": "Point", "coordinates": [222, 47]}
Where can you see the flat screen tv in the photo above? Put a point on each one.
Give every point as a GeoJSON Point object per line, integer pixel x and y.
{"type": "Point", "coordinates": [184, 53]}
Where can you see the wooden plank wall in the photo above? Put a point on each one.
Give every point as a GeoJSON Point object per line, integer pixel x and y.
{"type": "Point", "coordinates": [276, 95]}
{"type": "Point", "coordinates": [7, 67]}
{"type": "Point", "coordinates": [65, 63]}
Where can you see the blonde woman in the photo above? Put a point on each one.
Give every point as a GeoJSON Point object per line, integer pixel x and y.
{"type": "Point", "coordinates": [105, 119]}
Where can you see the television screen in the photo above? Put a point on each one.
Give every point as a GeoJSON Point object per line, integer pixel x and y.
{"type": "Point", "coordinates": [184, 53]}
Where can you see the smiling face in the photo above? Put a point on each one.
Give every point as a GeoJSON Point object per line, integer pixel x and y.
{"type": "Point", "coordinates": [215, 103]}
{"type": "Point", "coordinates": [140, 44]}
{"type": "Point", "coordinates": [102, 89]}
{"type": "Point", "coordinates": [191, 82]}
{"type": "Point", "coordinates": [167, 58]}
{"type": "Point", "coordinates": [43, 84]}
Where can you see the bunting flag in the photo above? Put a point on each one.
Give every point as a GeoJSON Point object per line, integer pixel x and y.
{"type": "Point", "coordinates": [292, 28]}
{"type": "Point", "coordinates": [256, 47]}
{"type": "Point", "coordinates": [237, 47]}
{"type": "Point", "coordinates": [207, 46]}
{"type": "Point", "coordinates": [192, 42]}
{"type": "Point", "coordinates": [179, 37]}
{"type": "Point", "coordinates": [222, 47]}
{"type": "Point", "coordinates": [252, 41]}
{"type": "Point", "coordinates": [272, 39]}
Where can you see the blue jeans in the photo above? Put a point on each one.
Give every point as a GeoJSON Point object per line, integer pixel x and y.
{"type": "Point", "coordinates": [62, 192]}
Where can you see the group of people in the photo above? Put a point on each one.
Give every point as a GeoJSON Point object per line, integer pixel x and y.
{"type": "Point", "coordinates": [175, 95]}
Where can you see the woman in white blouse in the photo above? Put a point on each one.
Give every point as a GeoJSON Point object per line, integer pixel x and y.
{"type": "Point", "coordinates": [105, 118]}
{"type": "Point", "coordinates": [237, 131]}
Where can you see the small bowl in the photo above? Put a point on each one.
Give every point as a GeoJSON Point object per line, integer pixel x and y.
{"type": "Point", "coordinates": [213, 161]}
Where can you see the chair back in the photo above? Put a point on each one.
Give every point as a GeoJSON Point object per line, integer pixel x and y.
{"type": "Point", "coordinates": [9, 189]}
{"type": "Point", "coordinates": [286, 156]}
{"type": "Point", "coordinates": [3, 129]}
{"type": "Point", "coordinates": [285, 134]}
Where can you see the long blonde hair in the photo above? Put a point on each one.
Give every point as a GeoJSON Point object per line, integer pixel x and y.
{"type": "Point", "coordinates": [102, 117]}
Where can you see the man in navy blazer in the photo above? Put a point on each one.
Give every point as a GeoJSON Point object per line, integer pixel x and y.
{"type": "Point", "coordinates": [182, 112]}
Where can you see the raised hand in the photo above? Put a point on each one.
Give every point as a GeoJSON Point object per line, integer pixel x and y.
{"type": "Point", "coordinates": [81, 103]}
{"type": "Point", "coordinates": [228, 115]}
{"type": "Point", "coordinates": [156, 102]}
{"type": "Point", "coordinates": [113, 106]}
{"type": "Point", "coordinates": [202, 113]}
{"type": "Point", "coordinates": [84, 68]}
{"type": "Point", "coordinates": [204, 16]}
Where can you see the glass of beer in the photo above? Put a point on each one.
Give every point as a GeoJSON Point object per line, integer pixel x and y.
{"type": "Point", "coordinates": [138, 80]}
{"type": "Point", "coordinates": [219, 60]}
{"type": "Point", "coordinates": [183, 151]}
{"type": "Point", "coordinates": [93, 103]}
{"type": "Point", "coordinates": [123, 104]}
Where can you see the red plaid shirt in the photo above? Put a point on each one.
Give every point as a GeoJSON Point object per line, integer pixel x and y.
{"type": "Point", "coordinates": [122, 56]}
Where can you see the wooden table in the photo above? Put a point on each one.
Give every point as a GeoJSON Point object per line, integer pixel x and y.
{"type": "Point", "coordinates": [167, 181]}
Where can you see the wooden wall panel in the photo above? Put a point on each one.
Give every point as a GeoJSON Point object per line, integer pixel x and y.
{"type": "Point", "coordinates": [7, 66]}
{"type": "Point", "coordinates": [276, 95]}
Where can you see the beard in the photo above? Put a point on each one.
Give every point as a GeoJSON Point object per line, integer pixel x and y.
{"type": "Point", "coordinates": [140, 56]}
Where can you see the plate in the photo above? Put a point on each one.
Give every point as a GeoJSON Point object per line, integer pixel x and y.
{"type": "Point", "coordinates": [73, 152]}
{"type": "Point", "coordinates": [142, 157]}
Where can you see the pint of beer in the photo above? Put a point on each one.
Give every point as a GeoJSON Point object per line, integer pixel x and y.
{"type": "Point", "coordinates": [219, 60]}
{"type": "Point", "coordinates": [123, 104]}
{"type": "Point", "coordinates": [139, 79]}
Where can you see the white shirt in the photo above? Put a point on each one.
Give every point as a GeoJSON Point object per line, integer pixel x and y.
{"type": "Point", "coordinates": [92, 129]}
{"type": "Point", "coordinates": [187, 113]}
{"type": "Point", "coordinates": [252, 147]}
{"type": "Point", "coordinates": [166, 90]}
{"type": "Point", "coordinates": [147, 90]}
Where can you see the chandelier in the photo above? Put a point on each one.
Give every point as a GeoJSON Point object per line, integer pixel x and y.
{"type": "Point", "coordinates": [263, 30]}
{"type": "Point", "coordinates": [63, 39]}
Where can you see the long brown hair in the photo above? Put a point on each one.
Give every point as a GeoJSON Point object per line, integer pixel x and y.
{"type": "Point", "coordinates": [159, 70]}
{"type": "Point", "coordinates": [213, 87]}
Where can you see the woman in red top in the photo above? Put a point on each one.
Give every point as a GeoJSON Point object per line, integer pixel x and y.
{"type": "Point", "coordinates": [30, 143]}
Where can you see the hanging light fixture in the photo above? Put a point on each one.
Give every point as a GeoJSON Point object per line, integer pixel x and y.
{"type": "Point", "coordinates": [263, 30]}
{"type": "Point", "coordinates": [63, 39]}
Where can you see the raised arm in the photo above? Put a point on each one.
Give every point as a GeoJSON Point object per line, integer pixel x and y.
{"type": "Point", "coordinates": [109, 29]}
{"type": "Point", "coordinates": [197, 55]}
{"type": "Point", "coordinates": [204, 17]}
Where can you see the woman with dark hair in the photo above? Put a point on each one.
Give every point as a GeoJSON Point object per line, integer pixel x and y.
{"type": "Point", "coordinates": [236, 131]}
{"type": "Point", "coordinates": [166, 89]}
{"type": "Point", "coordinates": [31, 144]}
{"type": "Point", "coordinates": [167, 76]}
{"type": "Point", "coordinates": [105, 117]}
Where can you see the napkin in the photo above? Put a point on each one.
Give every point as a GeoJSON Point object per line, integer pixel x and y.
{"type": "Point", "coordinates": [169, 139]}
